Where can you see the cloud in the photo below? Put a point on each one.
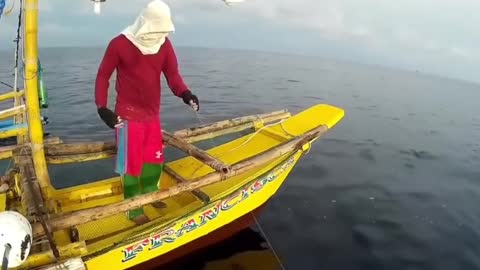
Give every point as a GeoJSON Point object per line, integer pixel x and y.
{"type": "Point", "coordinates": [414, 31]}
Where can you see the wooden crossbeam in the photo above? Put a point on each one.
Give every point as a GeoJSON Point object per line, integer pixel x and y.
{"type": "Point", "coordinates": [196, 192]}
{"type": "Point", "coordinates": [12, 112]}
{"type": "Point", "coordinates": [195, 152]}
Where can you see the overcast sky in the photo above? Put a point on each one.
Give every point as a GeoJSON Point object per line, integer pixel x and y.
{"type": "Point", "coordinates": [434, 36]}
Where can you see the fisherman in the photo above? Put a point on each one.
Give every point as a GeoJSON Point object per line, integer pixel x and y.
{"type": "Point", "coordinates": [139, 55]}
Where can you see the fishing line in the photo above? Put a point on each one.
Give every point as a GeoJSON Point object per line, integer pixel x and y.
{"type": "Point", "coordinates": [6, 84]}
{"type": "Point", "coordinates": [254, 218]}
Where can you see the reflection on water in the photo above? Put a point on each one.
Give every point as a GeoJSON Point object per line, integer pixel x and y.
{"type": "Point", "coordinates": [247, 250]}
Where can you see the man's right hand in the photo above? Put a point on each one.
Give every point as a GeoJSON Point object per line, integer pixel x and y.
{"type": "Point", "coordinates": [110, 118]}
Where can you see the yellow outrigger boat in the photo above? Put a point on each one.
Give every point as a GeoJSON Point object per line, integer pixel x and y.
{"type": "Point", "coordinates": [209, 194]}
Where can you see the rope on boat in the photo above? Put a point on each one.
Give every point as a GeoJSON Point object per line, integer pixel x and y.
{"type": "Point", "coordinates": [242, 144]}
{"type": "Point", "coordinates": [17, 49]}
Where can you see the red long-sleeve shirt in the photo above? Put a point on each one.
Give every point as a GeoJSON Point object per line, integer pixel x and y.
{"type": "Point", "coordinates": [138, 79]}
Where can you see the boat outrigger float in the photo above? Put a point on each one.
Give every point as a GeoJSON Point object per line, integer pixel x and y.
{"type": "Point", "coordinates": [209, 194]}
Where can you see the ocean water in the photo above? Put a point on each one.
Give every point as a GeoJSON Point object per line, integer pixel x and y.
{"type": "Point", "coordinates": [394, 186]}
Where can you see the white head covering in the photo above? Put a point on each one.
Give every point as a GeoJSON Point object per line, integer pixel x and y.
{"type": "Point", "coordinates": [151, 27]}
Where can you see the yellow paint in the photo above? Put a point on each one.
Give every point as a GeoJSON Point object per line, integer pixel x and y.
{"type": "Point", "coordinates": [3, 201]}
{"type": "Point", "coordinates": [101, 234]}
{"type": "Point", "coordinates": [239, 207]}
{"type": "Point", "coordinates": [44, 258]}
{"type": "Point", "coordinates": [13, 132]}
{"type": "Point", "coordinates": [5, 154]}
{"type": "Point", "coordinates": [105, 240]}
{"type": "Point", "coordinates": [31, 95]}
{"type": "Point", "coordinates": [11, 95]}
{"type": "Point", "coordinates": [4, 114]}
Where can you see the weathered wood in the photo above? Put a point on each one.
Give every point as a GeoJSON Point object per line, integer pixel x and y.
{"type": "Point", "coordinates": [195, 152]}
{"type": "Point", "coordinates": [29, 188]}
{"type": "Point", "coordinates": [178, 179]}
{"type": "Point", "coordinates": [74, 149]}
{"type": "Point", "coordinates": [76, 158]}
{"type": "Point", "coordinates": [62, 149]}
{"type": "Point", "coordinates": [52, 140]}
{"type": "Point", "coordinates": [33, 198]}
{"type": "Point", "coordinates": [195, 131]}
{"type": "Point", "coordinates": [7, 151]}
{"type": "Point", "coordinates": [92, 214]}
{"type": "Point", "coordinates": [104, 149]}
{"type": "Point", "coordinates": [234, 129]}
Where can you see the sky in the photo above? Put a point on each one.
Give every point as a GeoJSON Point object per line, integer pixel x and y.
{"type": "Point", "coordinates": [433, 36]}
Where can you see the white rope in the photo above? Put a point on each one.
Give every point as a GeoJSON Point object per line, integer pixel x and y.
{"type": "Point", "coordinates": [268, 241]}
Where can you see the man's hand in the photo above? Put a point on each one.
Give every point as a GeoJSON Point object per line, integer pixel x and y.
{"type": "Point", "coordinates": [110, 118]}
{"type": "Point", "coordinates": [191, 99]}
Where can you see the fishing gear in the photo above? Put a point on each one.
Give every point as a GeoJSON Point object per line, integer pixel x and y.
{"type": "Point", "coordinates": [42, 91]}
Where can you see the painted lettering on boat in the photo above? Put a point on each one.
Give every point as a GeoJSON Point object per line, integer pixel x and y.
{"type": "Point", "coordinates": [197, 220]}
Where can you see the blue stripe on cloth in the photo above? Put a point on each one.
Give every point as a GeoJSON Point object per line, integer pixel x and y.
{"type": "Point", "coordinates": [122, 152]}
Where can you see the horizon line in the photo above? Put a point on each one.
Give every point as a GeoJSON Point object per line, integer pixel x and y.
{"type": "Point", "coordinates": [281, 52]}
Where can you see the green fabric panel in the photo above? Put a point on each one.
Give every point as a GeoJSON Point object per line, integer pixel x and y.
{"type": "Point", "coordinates": [132, 188]}
{"type": "Point", "coordinates": [150, 176]}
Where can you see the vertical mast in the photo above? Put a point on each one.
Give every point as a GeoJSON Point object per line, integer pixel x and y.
{"type": "Point", "coordinates": [35, 128]}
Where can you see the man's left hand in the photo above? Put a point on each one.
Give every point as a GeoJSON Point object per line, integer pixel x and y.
{"type": "Point", "coordinates": [191, 99]}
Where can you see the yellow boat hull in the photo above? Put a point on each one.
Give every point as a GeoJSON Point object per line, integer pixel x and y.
{"type": "Point", "coordinates": [187, 223]}
{"type": "Point", "coordinates": [217, 214]}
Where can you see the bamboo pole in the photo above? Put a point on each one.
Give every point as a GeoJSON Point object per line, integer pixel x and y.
{"type": "Point", "coordinates": [92, 214]}
{"type": "Point", "coordinates": [234, 129]}
{"type": "Point", "coordinates": [103, 148]}
{"type": "Point", "coordinates": [12, 112]}
{"type": "Point", "coordinates": [74, 149]}
{"type": "Point", "coordinates": [178, 179]}
{"type": "Point", "coordinates": [10, 95]}
{"type": "Point", "coordinates": [195, 131]}
{"type": "Point", "coordinates": [195, 152]}
{"type": "Point", "coordinates": [35, 127]}
{"type": "Point", "coordinates": [7, 151]}
{"type": "Point", "coordinates": [32, 197]}
{"type": "Point", "coordinates": [64, 159]}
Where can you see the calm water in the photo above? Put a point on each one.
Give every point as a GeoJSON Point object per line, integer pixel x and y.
{"type": "Point", "coordinates": [394, 186]}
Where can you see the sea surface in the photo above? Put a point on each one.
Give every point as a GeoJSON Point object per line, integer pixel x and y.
{"type": "Point", "coordinates": [395, 185]}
